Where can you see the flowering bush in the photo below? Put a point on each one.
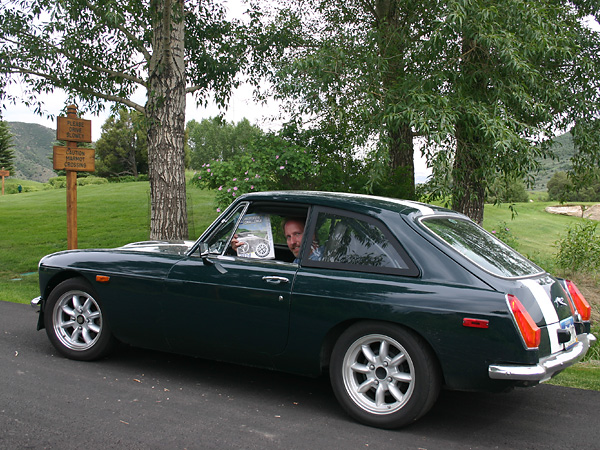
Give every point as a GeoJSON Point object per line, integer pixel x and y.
{"type": "Point", "coordinates": [270, 163]}
{"type": "Point", "coordinates": [503, 233]}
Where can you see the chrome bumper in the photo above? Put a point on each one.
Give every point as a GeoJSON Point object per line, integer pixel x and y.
{"type": "Point", "coordinates": [547, 367]}
{"type": "Point", "coordinates": [35, 303]}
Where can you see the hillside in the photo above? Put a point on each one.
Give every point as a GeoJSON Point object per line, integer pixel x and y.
{"type": "Point", "coordinates": [564, 150]}
{"type": "Point", "coordinates": [33, 151]}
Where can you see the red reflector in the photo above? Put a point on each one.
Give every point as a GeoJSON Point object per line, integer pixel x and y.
{"type": "Point", "coordinates": [476, 323]}
{"type": "Point", "coordinates": [581, 303]}
{"type": "Point", "coordinates": [529, 330]}
{"type": "Point", "coordinates": [102, 278]}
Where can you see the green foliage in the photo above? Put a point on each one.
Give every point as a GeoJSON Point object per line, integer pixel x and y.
{"type": "Point", "coordinates": [579, 249]}
{"type": "Point", "coordinates": [562, 189]}
{"type": "Point", "coordinates": [61, 181]}
{"type": "Point", "coordinates": [215, 139]}
{"type": "Point", "coordinates": [503, 232]}
{"type": "Point", "coordinates": [275, 164]}
{"type": "Point", "coordinates": [395, 183]}
{"type": "Point", "coordinates": [128, 179]}
{"type": "Point", "coordinates": [82, 48]}
{"type": "Point", "coordinates": [506, 190]}
{"type": "Point", "coordinates": [122, 148]}
{"type": "Point", "coordinates": [7, 154]}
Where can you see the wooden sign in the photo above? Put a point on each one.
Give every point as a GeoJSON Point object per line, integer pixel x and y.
{"type": "Point", "coordinates": [4, 173]}
{"type": "Point", "coordinates": [73, 159]}
{"type": "Point", "coordinates": [76, 159]}
{"type": "Point", "coordinates": [74, 129]}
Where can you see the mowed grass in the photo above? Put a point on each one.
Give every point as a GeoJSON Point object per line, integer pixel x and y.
{"type": "Point", "coordinates": [34, 224]}
{"type": "Point", "coordinates": [536, 230]}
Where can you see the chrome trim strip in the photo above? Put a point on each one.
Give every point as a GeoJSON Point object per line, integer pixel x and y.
{"type": "Point", "coordinates": [547, 367]}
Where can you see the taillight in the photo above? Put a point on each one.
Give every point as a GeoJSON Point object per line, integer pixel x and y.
{"type": "Point", "coordinates": [581, 303]}
{"type": "Point", "coordinates": [529, 330]}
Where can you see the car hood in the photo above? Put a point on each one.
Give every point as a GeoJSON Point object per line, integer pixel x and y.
{"type": "Point", "coordinates": [168, 247]}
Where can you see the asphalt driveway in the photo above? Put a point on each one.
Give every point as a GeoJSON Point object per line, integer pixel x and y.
{"type": "Point", "coordinates": [139, 399]}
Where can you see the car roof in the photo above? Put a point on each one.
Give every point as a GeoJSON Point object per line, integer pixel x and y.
{"type": "Point", "coordinates": [350, 201]}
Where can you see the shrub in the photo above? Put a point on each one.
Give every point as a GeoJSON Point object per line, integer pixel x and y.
{"type": "Point", "coordinates": [502, 232]}
{"type": "Point", "coordinates": [271, 164]}
{"type": "Point", "coordinates": [128, 178]}
{"type": "Point", "coordinates": [58, 182]}
{"type": "Point", "coordinates": [91, 180]}
{"type": "Point", "coordinates": [579, 250]}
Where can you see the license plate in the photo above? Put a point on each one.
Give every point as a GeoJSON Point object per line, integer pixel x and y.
{"type": "Point", "coordinates": [569, 324]}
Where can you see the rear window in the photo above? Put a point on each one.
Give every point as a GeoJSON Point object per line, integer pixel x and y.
{"type": "Point", "coordinates": [482, 248]}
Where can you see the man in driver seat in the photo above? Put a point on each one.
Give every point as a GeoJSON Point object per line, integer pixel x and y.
{"type": "Point", "coordinates": [293, 230]}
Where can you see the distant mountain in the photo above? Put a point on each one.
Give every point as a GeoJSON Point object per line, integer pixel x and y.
{"type": "Point", "coordinates": [33, 151]}
{"type": "Point", "coordinates": [564, 149]}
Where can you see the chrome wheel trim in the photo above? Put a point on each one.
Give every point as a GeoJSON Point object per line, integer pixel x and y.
{"type": "Point", "coordinates": [378, 374]}
{"type": "Point", "coordinates": [77, 320]}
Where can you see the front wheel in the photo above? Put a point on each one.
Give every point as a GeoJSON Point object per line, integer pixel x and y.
{"type": "Point", "coordinates": [383, 375]}
{"type": "Point", "coordinates": [75, 322]}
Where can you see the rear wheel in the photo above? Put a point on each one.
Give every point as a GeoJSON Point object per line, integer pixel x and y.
{"type": "Point", "coordinates": [383, 375]}
{"type": "Point", "coordinates": [75, 322]}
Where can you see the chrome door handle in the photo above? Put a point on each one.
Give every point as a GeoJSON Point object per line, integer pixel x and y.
{"type": "Point", "coordinates": [275, 280]}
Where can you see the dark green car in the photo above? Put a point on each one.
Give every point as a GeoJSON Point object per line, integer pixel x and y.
{"type": "Point", "coordinates": [394, 299]}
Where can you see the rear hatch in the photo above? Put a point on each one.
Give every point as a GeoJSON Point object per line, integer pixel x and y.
{"type": "Point", "coordinates": [537, 294]}
{"type": "Point", "coordinates": [550, 307]}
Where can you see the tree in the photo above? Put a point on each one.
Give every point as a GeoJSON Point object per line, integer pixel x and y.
{"type": "Point", "coordinates": [7, 154]}
{"type": "Point", "coordinates": [510, 73]}
{"type": "Point", "coordinates": [563, 188]}
{"type": "Point", "coordinates": [506, 190]}
{"type": "Point", "coordinates": [107, 51]}
{"type": "Point", "coordinates": [483, 83]}
{"type": "Point", "coordinates": [122, 148]}
{"type": "Point", "coordinates": [214, 138]}
{"type": "Point", "coordinates": [354, 67]}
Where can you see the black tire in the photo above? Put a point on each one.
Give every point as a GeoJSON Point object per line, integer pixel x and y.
{"type": "Point", "coordinates": [75, 322]}
{"type": "Point", "coordinates": [384, 375]}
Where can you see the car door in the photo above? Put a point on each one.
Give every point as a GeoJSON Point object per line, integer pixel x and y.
{"type": "Point", "coordinates": [226, 306]}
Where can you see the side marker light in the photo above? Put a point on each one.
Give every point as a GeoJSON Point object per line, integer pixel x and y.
{"type": "Point", "coordinates": [476, 323]}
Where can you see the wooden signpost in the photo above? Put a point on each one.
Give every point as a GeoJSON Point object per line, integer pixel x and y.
{"type": "Point", "coordinates": [73, 159]}
{"type": "Point", "coordinates": [4, 173]}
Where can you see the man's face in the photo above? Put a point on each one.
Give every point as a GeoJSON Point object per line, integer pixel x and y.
{"type": "Point", "coordinates": [293, 231]}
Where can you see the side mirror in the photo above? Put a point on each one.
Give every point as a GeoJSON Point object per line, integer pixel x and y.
{"type": "Point", "coordinates": [203, 249]}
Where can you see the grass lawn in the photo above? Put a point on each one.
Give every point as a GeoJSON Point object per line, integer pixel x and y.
{"type": "Point", "coordinates": [33, 224]}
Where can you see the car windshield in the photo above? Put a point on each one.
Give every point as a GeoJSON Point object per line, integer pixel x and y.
{"type": "Point", "coordinates": [481, 247]}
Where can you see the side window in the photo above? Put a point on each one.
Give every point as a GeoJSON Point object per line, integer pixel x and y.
{"type": "Point", "coordinates": [356, 244]}
{"type": "Point", "coordinates": [219, 240]}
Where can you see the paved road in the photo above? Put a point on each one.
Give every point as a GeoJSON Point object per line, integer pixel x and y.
{"type": "Point", "coordinates": [139, 399]}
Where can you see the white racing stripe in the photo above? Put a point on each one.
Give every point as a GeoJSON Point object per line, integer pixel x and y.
{"type": "Point", "coordinates": [550, 315]}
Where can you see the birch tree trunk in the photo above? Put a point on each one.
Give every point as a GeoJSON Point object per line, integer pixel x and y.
{"type": "Point", "coordinates": [165, 112]}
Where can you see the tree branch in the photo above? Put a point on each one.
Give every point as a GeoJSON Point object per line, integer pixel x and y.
{"type": "Point", "coordinates": [132, 38]}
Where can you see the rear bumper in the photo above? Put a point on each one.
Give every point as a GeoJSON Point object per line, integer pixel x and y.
{"type": "Point", "coordinates": [547, 367]}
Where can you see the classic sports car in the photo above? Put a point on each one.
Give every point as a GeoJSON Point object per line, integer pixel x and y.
{"type": "Point", "coordinates": [403, 299]}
